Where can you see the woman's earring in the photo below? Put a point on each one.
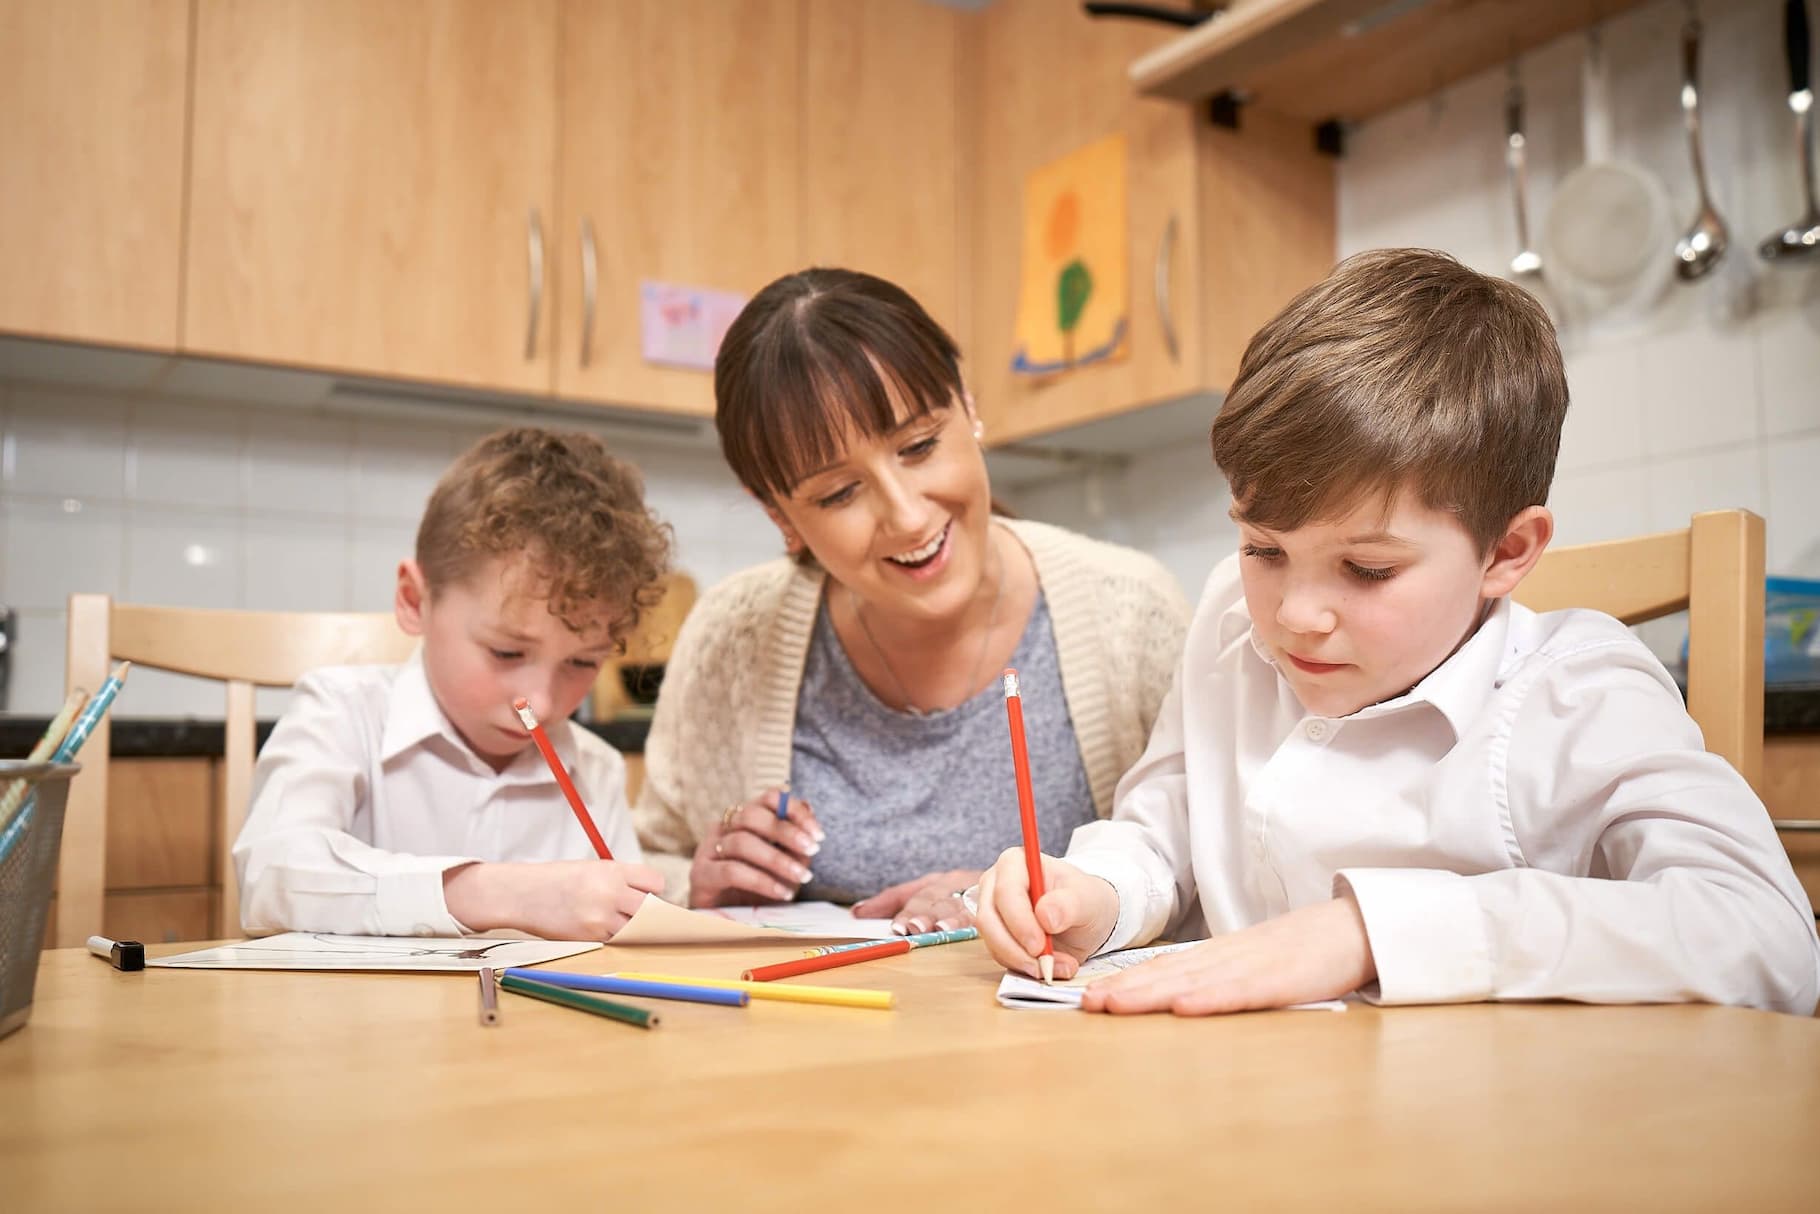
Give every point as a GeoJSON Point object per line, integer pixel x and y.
{"type": "Point", "coordinates": [979, 431]}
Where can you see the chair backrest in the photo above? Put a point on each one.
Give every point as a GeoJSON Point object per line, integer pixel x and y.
{"type": "Point", "coordinates": [244, 649]}
{"type": "Point", "coordinates": [649, 646]}
{"type": "Point", "coordinates": [1714, 569]}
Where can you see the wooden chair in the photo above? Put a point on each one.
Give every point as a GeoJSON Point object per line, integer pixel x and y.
{"type": "Point", "coordinates": [649, 646]}
{"type": "Point", "coordinates": [244, 649]}
{"type": "Point", "coordinates": [1713, 569]}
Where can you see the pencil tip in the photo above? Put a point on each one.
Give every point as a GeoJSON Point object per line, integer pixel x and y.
{"type": "Point", "coordinates": [1047, 965]}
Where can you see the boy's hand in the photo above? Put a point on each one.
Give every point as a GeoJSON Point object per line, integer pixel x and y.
{"type": "Point", "coordinates": [1316, 952]}
{"type": "Point", "coordinates": [557, 899]}
{"type": "Point", "coordinates": [753, 856]}
{"type": "Point", "coordinates": [931, 902]}
{"type": "Point", "coordinates": [1078, 911]}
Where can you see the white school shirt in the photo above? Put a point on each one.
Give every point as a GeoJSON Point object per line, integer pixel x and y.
{"type": "Point", "coordinates": [1536, 819]}
{"type": "Point", "coordinates": [365, 795]}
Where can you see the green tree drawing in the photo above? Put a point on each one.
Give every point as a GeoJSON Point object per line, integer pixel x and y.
{"type": "Point", "coordinates": [1073, 287]}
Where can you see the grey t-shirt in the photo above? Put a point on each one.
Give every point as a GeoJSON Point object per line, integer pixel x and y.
{"type": "Point", "coordinates": [904, 794]}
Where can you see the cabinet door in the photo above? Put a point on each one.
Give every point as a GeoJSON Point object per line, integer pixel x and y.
{"type": "Point", "coordinates": [1050, 80]}
{"type": "Point", "coordinates": [91, 168]}
{"type": "Point", "coordinates": [881, 187]}
{"type": "Point", "coordinates": [679, 149]}
{"type": "Point", "coordinates": [366, 183]}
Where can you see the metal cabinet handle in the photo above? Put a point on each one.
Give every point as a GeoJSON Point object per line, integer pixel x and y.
{"type": "Point", "coordinates": [1165, 251]}
{"type": "Point", "coordinates": [590, 282]}
{"type": "Point", "coordinates": [534, 258]}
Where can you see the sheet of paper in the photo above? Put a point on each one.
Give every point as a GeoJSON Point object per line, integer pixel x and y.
{"type": "Point", "coordinates": [1017, 991]}
{"type": "Point", "coordinates": [421, 954]}
{"type": "Point", "coordinates": [660, 922]}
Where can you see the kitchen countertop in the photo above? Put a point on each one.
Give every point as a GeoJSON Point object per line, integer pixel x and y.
{"type": "Point", "coordinates": [1787, 708]}
{"type": "Point", "coordinates": [188, 737]}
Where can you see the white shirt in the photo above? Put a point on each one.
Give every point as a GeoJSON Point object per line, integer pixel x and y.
{"type": "Point", "coordinates": [1536, 819]}
{"type": "Point", "coordinates": [365, 794]}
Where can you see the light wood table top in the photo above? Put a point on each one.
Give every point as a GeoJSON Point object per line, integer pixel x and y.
{"type": "Point", "coordinates": [205, 1090]}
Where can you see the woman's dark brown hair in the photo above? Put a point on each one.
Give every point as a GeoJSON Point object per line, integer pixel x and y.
{"type": "Point", "coordinates": [812, 361]}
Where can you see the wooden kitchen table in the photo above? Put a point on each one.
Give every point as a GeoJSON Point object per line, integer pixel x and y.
{"type": "Point", "coordinates": [203, 1090]}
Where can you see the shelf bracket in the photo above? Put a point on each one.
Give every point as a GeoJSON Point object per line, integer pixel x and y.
{"type": "Point", "coordinates": [1330, 138]}
{"type": "Point", "coordinates": [1223, 108]}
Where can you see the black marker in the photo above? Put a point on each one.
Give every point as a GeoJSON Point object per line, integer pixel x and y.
{"type": "Point", "coordinates": [121, 954]}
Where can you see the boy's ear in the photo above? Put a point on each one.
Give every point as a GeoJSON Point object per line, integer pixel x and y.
{"type": "Point", "coordinates": [1514, 555]}
{"type": "Point", "coordinates": [412, 595]}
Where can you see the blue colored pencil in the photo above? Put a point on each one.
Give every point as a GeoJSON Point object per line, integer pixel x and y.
{"type": "Point", "coordinates": [783, 804]}
{"type": "Point", "coordinates": [66, 750]}
{"type": "Point", "coordinates": [608, 985]}
{"type": "Point", "coordinates": [919, 940]}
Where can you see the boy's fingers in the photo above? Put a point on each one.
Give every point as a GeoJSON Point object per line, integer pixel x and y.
{"type": "Point", "coordinates": [998, 941]}
{"type": "Point", "coordinates": [1012, 899]}
{"type": "Point", "coordinates": [642, 879]}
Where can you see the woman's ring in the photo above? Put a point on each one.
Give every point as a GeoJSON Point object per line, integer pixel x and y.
{"type": "Point", "coordinates": [727, 815]}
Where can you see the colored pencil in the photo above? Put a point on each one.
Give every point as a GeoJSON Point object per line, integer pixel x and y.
{"type": "Point", "coordinates": [47, 746]}
{"type": "Point", "coordinates": [1026, 810]}
{"type": "Point", "coordinates": [780, 991]}
{"type": "Point", "coordinates": [489, 997]}
{"type": "Point", "coordinates": [828, 961]}
{"type": "Point", "coordinates": [610, 984]}
{"type": "Point", "coordinates": [625, 1013]}
{"type": "Point", "coordinates": [917, 940]}
{"type": "Point", "coordinates": [523, 708]}
{"type": "Point", "coordinates": [66, 750]}
{"type": "Point", "coordinates": [783, 803]}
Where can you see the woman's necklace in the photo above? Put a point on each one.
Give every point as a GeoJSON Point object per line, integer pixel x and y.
{"type": "Point", "coordinates": [979, 662]}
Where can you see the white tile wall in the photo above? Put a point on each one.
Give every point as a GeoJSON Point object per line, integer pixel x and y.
{"type": "Point", "coordinates": [241, 505]}
{"type": "Point", "coordinates": [1710, 400]}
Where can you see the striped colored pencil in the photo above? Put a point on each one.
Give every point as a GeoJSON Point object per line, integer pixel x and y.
{"type": "Point", "coordinates": [625, 1013]}
{"type": "Point", "coordinates": [782, 992]}
{"type": "Point", "coordinates": [917, 940]}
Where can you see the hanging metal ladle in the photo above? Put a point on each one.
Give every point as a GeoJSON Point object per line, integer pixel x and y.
{"type": "Point", "coordinates": [1800, 241]}
{"type": "Point", "coordinates": [1700, 249]}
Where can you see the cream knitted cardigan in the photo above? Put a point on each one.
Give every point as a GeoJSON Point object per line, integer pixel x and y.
{"type": "Point", "coordinates": [727, 710]}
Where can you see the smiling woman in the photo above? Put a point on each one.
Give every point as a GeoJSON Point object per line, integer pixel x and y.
{"type": "Point", "coordinates": [862, 673]}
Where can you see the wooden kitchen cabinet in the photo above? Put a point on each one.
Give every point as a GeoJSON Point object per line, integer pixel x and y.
{"type": "Point", "coordinates": [91, 169]}
{"type": "Point", "coordinates": [1224, 226]}
{"type": "Point", "coordinates": [881, 176]}
{"type": "Point", "coordinates": [372, 186]}
{"type": "Point", "coordinates": [680, 129]}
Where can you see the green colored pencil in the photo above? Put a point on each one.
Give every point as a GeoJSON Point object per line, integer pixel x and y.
{"type": "Point", "coordinates": [623, 1012]}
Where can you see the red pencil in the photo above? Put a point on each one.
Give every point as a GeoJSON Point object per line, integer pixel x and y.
{"type": "Point", "coordinates": [1026, 811]}
{"type": "Point", "coordinates": [523, 707]}
{"type": "Point", "coordinates": [827, 961]}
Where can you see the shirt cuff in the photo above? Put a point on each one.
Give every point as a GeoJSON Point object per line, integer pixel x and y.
{"type": "Point", "coordinates": [1136, 899]}
{"type": "Point", "coordinates": [1427, 934]}
{"type": "Point", "coordinates": [412, 904]}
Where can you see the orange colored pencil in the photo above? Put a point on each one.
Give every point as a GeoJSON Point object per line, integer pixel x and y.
{"type": "Point", "coordinates": [827, 961]}
{"type": "Point", "coordinates": [1026, 810]}
{"type": "Point", "coordinates": [523, 707]}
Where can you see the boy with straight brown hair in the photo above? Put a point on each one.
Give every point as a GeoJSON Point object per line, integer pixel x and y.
{"type": "Point", "coordinates": [1376, 772]}
{"type": "Point", "coordinates": [410, 800]}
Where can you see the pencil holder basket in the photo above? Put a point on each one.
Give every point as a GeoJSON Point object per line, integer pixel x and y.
{"type": "Point", "coordinates": [29, 841]}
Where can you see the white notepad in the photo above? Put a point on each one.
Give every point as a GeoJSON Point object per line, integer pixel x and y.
{"type": "Point", "coordinates": [410, 954]}
{"type": "Point", "coordinates": [1017, 991]}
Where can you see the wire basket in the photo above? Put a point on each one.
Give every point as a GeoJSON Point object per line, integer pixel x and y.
{"type": "Point", "coordinates": [28, 865]}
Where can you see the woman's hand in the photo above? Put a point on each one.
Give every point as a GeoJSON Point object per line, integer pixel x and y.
{"type": "Point", "coordinates": [753, 856]}
{"type": "Point", "coordinates": [1078, 912]}
{"type": "Point", "coordinates": [556, 899]}
{"type": "Point", "coordinates": [1312, 953]}
{"type": "Point", "coordinates": [931, 902]}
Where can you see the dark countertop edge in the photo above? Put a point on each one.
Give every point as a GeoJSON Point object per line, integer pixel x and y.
{"type": "Point", "coordinates": [1791, 708]}
{"type": "Point", "coordinates": [189, 737]}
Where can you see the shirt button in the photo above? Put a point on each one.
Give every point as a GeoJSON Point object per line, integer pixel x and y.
{"type": "Point", "coordinates": [1317, 730]}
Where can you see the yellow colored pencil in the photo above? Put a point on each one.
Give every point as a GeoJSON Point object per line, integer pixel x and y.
{"type": "Point", "coordinates": [53, 737]}
{"type": "Point", "coordinates": [783, 992]}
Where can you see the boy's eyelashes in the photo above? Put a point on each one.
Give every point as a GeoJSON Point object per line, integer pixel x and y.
{"type": "Point", "coordinates": [1364, 573]}
{"type": "Point", "coordinates": [513, 655]}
